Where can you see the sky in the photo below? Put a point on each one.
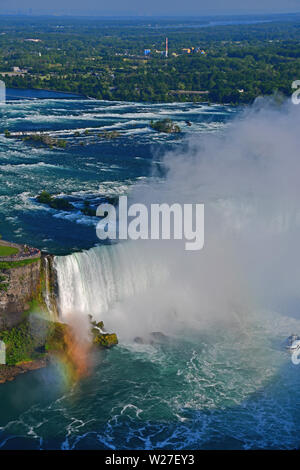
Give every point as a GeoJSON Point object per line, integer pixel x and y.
{"type": "Point", "coordinates": [151, 8]}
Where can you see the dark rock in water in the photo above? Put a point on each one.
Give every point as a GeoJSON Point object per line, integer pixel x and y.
{"type": "Point", "coordinates": [139, 340]}
{"type": "Point", "coordinates": [157, 335]}
{"type": "Point", "coordinates": [100, 337]}
{"type": "Point", "coordinates": [289, 341]}
{"type": "Point", "coordinates": [104, 340]}
{"type": "Point", "coordinates": [99, 325]}
{"type": "Point", "coordinates": [41, 139]}
{"type": "Point", "coordinates": [153, 337]}
{"type": "Point", "coordinates": [58, 203]}
{"type": "Point", "coordinates": [165, 125]}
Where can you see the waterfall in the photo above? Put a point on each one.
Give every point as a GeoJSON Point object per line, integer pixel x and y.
{"type": "Point", "coordinates": [93, 281]}
{"type": "Point", "coordinates": [49, 286]}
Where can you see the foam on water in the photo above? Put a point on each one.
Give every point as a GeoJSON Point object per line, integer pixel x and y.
{"type": "Point", "coordinates": [214, 390]}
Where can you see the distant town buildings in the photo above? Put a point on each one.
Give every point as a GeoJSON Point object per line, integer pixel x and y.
{"type": "Point", "coordinates": [194, 50]}
{"type": "Point", "coordinates": [185, 50]}
{"type": "Point", "coordinates": [15, 72]}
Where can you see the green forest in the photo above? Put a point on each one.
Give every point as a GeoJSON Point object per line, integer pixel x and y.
{"type": "Point", "coordinates": [105, 59]}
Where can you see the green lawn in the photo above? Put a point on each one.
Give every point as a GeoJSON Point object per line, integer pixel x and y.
{"type": "Point", "coordinates": [17, 264]}
{"type": "Point", "coordinates": [7, 250]}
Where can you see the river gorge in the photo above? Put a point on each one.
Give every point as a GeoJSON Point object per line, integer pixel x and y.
{"type": "Point", "coordinates": [199, 362]}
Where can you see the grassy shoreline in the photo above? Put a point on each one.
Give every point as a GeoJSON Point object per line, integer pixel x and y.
{"type": "Point", "coordinates": [17, 264]}
{"type": "Point", "coordinates": [6, 251]}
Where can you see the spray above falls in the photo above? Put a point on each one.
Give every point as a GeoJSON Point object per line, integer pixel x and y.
{"type": "Point", "coordinates": [248, 179]}
{"type": "Point", "coordinates": [92, 282]}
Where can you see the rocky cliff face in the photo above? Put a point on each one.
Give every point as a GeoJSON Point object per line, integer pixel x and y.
{"type": "Point", "coordinates": [20, 285]}
{"type": "Point", "coordinates": [31, 331]}
{"type": "Point", "coordinates": [49, 286]}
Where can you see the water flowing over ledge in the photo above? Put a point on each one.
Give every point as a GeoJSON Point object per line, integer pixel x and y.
{"type": "Point", "coordinates": [93, 281]}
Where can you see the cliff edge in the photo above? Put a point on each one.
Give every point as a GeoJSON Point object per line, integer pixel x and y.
{"type": "Point", "coordinates": [20, 281]}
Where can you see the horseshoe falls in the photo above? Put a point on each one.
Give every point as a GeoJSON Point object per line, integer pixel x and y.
{"type": "Point", "coordinates": [209, 370]}
{"type": "Point", "coordinates": [92, 282]}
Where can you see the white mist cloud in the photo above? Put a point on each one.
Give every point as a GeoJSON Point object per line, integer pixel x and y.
{"type": "Point", "coordinates": [248, 179]}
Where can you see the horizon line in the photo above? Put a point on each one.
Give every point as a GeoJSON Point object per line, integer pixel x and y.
{"type": "Point", "coordinates": [191, 15]}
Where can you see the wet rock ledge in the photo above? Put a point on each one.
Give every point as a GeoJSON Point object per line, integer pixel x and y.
{"type": "Point", "coordinates": [30, 328]}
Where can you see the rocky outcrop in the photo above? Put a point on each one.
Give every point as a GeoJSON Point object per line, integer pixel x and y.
{"type": "Point", "coordinates": [29, 321]}
{"type": "Point", "coordinates": [36, 341]}
{"type": "Point", "coordinates": [49, 285]}
{"type": "Point", "coordinates": [165, 125]}
{"type": "Point", "coordinates": [102, 338]}
{"type": "Point", "coordinates": [25, 276]}
{"type": "Point", "coordinates": [20, 284]}
{"type": "Point", "coordinates": [9, 373]}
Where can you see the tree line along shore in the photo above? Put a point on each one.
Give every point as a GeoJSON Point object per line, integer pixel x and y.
{"type": "Point", "coordinates": [107, 60]}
